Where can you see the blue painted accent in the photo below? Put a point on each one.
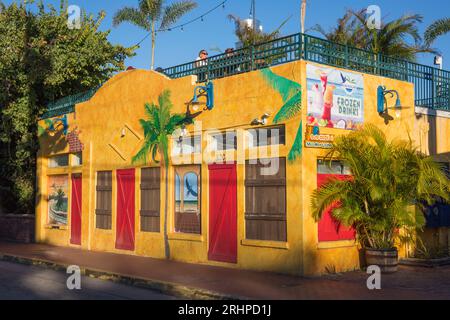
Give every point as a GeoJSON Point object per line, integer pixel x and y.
{"type": "Point", "coordinates": [207, 91]}
{"type": "Point", "coordinates": [316, 130]}
{"type": "Point", "coordinates": [59, 121]}
{"type": "Point", "coordinates": [381, 99]}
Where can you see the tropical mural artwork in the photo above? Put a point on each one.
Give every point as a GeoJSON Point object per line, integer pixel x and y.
{"type": "Point", "coordinates": [291, 93]}
{"type": "Point", "coordinates": [58, 199]}
{"type": "Point", "coordinates": [54, 126]}
{"type": "Point", "coordinates": [335, 98]}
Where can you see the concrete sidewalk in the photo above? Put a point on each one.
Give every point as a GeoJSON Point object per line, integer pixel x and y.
{"type": "Point", "coordinates": [206, 282]}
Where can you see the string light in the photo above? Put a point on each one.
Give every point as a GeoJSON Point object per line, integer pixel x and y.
{"type": "Point", "coordinates": [181, 26]}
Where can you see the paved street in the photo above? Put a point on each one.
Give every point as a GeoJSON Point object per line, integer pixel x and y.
{"type": "Point", "coordinates": [21, 282]}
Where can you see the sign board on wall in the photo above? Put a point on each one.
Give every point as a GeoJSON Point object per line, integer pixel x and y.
{"type": "Point", "coordinates": [314, 139]}
{"type": "Point", "coordinates": [335, 98]}
{"type": "Point", "coordinates": [58, 190]}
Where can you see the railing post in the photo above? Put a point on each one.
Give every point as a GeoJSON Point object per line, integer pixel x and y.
{"type": "Point", "coordinates": [300, 46]}
{"type": "Point", "coordinates": [252, 57]}
{"type": "Point", "coordinates": [433, 88]}
{"type": "Point", "coordinates": [305, 46]}
{"type": "Point", "coordinates": [208, 69]}
{"type": "Point", "coordinates": [346, 56]}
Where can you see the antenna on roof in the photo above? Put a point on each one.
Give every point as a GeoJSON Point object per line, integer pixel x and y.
{"type": "Point", "coordinates": [303, 15]}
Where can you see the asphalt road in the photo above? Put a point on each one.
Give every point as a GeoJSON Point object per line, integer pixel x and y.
{"type": "Point", "coordinates": [20, 282]}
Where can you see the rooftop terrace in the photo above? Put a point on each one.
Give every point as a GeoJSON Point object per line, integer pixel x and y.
{"type": "Point", "coordinates": [432, 85]}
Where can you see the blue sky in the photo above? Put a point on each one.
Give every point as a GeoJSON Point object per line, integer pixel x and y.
{"type": "Point", "coordinates": [216, 31]}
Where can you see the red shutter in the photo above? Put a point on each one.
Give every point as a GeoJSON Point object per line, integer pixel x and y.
{"type": "Point", "coordinates": [222, 213]}
{"type": "Point", "coordinates": [125, 210]}
{"type": "Point", "coordinates": [329, 228]}
{"type": "Point", "coordinates": [75, 212]}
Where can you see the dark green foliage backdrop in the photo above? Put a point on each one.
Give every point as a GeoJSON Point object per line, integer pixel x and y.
{"type": "Point", "coordinates": [42, 60]}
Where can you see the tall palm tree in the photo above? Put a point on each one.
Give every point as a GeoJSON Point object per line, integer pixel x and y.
{"type": "Point", "coordinates": [153, 15]}
{"type": "Point", "coordinates": [387, 177]}
{"type": "Point", "coordinates": [391, 39]}
{"type": "Point", "coordinates": [157, 129]}
{"type": "Point", "coordinates": [437, 29]}
{"type": "Point", "coordinates": [347, 31]}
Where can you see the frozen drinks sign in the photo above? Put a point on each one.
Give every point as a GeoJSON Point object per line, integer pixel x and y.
{"type": "Point", "coordinates": [335, 98]}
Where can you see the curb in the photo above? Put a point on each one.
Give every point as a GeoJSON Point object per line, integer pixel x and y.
{"type": "Point", "coordinates": [168, 288]}
{"type": "Point", "coordinates": [426, 263]}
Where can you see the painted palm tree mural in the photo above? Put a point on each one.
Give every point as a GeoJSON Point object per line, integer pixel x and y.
{"type": "Point", "coordinates": [160, 124]}
{"type": "Point", "coordinates": [291, 93]}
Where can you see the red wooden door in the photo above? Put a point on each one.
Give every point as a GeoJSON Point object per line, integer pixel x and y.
{"type": "Point", "coordinates": [75, 211]}
{"type": "Point", "coordinates": [222, 213]}
{"type": "Point", "coordinates": [125, 210]}
{"type": "Point", "coordinates": [329, 228]}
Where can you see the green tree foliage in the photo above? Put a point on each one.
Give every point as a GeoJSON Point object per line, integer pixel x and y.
{"type": "Point", "coordinates": [153, 14]}
{"type": "Point", "coordinates": [398, 38]}
{"type": "Point", "coordinates": [438, 28]}
{"type": "Point", "coordinates": [388, 177]}
{"type": "Point", "coordinates": [42, 60]}
{"type": "Point", "coordinates": [248, 36]}
{"type": "Point", "coordinates": [157, 129]}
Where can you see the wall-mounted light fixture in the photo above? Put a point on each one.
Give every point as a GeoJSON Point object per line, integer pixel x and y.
{"type": "Point", "coordinates": [382, 104]}
{"type": "Point", "coordinates": [204, 91]}
{"type": "Point", "coordinates": [262, 121]}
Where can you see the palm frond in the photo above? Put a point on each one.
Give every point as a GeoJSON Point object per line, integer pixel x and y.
{"type": "Point", "coordinates": [322, 198]}
{"type": "Point", "coordinates": [290, 109]}
{"type": "Point", "coordinates": [437, 29]}
{"type": "Point", "coordinates": [133, 16]}
{"type": "Point", "coordinates": [286, 87]}
{"type": "Point", "coordinates": [297, 147]}
{"type": "Point", "coordinates": [152, 8]}
{"type": "Point", "coordinates": [175, 11]}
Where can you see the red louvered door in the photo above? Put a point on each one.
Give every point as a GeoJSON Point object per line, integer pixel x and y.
{"type": "Point", "coordinates": [125, 210]}
{"type": "Point", "coordinates": [222, 213]}
{"type": "Point", "coordinates": [75, 211]}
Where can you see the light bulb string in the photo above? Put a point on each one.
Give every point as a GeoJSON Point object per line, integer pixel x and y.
{"type": "Point", "coordinates": [181, 26]}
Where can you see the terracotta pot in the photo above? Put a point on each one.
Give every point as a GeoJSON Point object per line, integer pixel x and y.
{"type": "Point", "coordinates": [386, 259]}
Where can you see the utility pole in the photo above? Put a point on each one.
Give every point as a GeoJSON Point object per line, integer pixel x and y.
{"type": "Point", "coordinates": [303, 15]}
{"type": "Point", "coordinates": [254, 15]}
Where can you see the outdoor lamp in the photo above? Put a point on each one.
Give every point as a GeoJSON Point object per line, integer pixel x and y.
{"type": "Point", "coordinates": [382, 107]}
{"type": "Point", "coordinates": [202, 91]}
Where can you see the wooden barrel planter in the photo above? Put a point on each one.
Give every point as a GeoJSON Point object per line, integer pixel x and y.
{"type": "Point", "coordinates": [386, 259]}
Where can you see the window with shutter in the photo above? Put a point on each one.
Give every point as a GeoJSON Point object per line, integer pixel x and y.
{"type": "Point", "coordinates": [103, 211]}
{"type": "Point", "coordinates": [150, 199]}
{"type": "Point", "coordinates": [266, 136]}
{"type": "Point", "coordinates": [187, 199]}
{"type": "Point", "coordinates": [265, 202]}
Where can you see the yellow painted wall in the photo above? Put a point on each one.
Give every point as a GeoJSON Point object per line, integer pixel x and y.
{"type": "Point", "coordinates": [116, 109]}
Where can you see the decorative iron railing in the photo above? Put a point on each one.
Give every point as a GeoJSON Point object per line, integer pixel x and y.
{"type": "Point", "coordinates": [432, 86]}
{"type": "Point", "coordinates": [67, 104]}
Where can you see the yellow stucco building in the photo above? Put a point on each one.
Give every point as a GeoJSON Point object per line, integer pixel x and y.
{"type": "Point", "coordinates": [221, 209]}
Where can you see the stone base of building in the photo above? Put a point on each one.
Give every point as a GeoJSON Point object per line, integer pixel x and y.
{"type": "Point", "coordinates": [17, 228]}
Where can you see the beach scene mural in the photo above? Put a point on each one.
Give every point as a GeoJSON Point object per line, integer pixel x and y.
{"type": "Point", "coordinates": [58, 199]}
{"type": "Point", "coordinates": [189, 201]}
{"type": "Point", "coordinates": [335, 98]}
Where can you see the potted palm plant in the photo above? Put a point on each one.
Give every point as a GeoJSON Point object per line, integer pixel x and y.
{"type": "Point", "coordinates": [389, 178]}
